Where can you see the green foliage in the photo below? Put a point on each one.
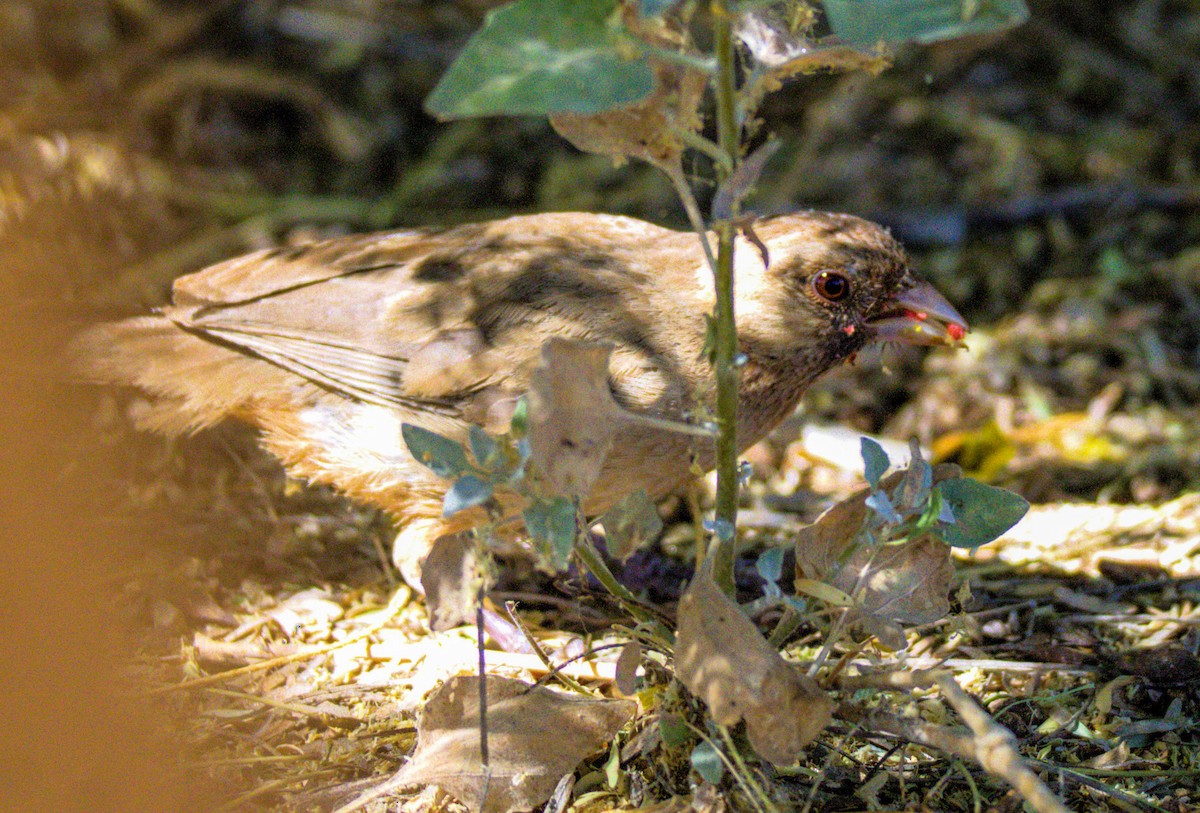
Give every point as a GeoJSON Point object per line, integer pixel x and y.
{"type": "Point", "coordinates": [443, 456]}
{"type": "Point", "coordinates": [553, 525]}
{"type": "Point", "coordinates": [867, 22]}
{"type": "Point", "coordinates": [981, 512]}
{"type": "Point", "coordinates": [706, 761]}
{"type": "Point", "coordinates": [468, 491]}
{"type": "Point", "coordinates": [960, 511]}
{"type": "Point", "coordinates": [875, 461]}
{"type": "Point", "coordinates": [537, 57]}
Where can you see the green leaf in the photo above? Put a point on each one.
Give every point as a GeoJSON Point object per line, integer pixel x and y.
{"type": "Point", "coordinates": [467, 492]}
{"type": "Point", "coordinates": [981, 512]}
{"type": "Point", "coordinates": [770, 564]}
{"type": "Point", "coordinates": [552, 525]}
{"type": "Point", "coordinates": [483, 446]}
{"type": "Point", "coordinates": [536, 57]}
{"type": "Point", "coordinates": [629, 524]}
{"type": "Point", "coordinates": [875, 461]}
{"type": "Point", "coordinates": [445, 457]}
{"type": "Point", "coordinates": [519, 424]}
{"type": "Point", "coordinates": [867, 22]}
{"type": "Point", "coordinates": [706, 761]}
{"type": "Point", "coordinates": [674, 730]}
{"type": "Point", "coordinates": [655, 8]}
{"type": "Point", "coordinates": [879, 502]}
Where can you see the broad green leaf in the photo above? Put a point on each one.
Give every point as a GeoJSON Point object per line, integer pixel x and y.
{"type": "Point", "coordinates": [706, 761]}
{"type": "Point", "coordinates": [981, 512]}
{"type": "Point", "coordinates": [867, 22]}
{"type": "Point", "coordinates": [444, 456]}
{"type": "Point", "coordinates": [875, 461]}
{"type": "Point", "coordinates": [537, 57]}
{"type": "Point", "coordinates": [467, 492]}
{"type": "Point", "coordinates": [552, 525]}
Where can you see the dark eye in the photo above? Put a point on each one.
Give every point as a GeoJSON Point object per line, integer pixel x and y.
{"type": "Point", "coordinates": [832, 286]}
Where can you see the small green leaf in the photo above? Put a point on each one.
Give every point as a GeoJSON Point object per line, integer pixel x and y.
{"type": "Point", "coordinates": [867, 22]}
{"type": "Point", "coordinates": [552, 525]}
{"type": "Point", "coordinates": [875, 461]}
{"type": "Point", "coordinates": [674, 730]}
{"type": "Point", "coordinates": [536, 57]}
{"type": "Point", "coordinates": [770, 564]}
{"type": "Point", "coordinates": [467, 492]}
{"type": "Point", "coordinates": [445, 457]}
{"type": "Point", "coordinates": [878, 502]}
{"type": "Point", "coordinates": [483, 446]}
{"type": "Point", "coordinates": [981, 512]}
{"type": "Point", "coordinates": [629, 524]}
{"type": "Point", "coordinates": [655, 8]}
{"type": "Point", "coordinates": [519, 423]}
{"type": "Point", "coordinates": [706, 761]}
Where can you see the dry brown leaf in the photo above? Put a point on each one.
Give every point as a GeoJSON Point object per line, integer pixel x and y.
{"type": "Point", "coordinates": [722, 658]}
{"type": "Point", "coordinates": [535, 735]}
{"type": "Point", "coordinates": [451, 577]}
{"type": "Point", "coordinates": [907, 583]}
{"type": "Point", "coordinates": [572, 414]}
{"type": "Point", "coordinates": [648, 129]}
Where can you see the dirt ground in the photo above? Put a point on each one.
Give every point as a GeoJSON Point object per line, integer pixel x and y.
{"type": "Point", "coordinates": [1048, 181]}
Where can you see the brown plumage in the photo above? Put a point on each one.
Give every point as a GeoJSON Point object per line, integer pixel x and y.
{"type": "Point", "coordinates": [329, 347]}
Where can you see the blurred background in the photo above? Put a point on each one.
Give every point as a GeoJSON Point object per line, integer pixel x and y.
{"type": "Point", "coordinates": [1047, 180]}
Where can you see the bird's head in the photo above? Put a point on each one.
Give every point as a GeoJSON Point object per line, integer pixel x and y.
{"type": "Point", "coordinates": [833, 284]}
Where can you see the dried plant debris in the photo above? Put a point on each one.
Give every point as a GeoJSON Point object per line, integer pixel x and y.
{"type": "Point", "coordinates": [572, 414]}
{"type": "Point", "coordinates": [723, 659]}
{"type": "Point", "coordinates": [534, 736]}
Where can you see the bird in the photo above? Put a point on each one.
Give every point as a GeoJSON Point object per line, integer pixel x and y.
{"type": "Point", "coordinates": [330, 347]}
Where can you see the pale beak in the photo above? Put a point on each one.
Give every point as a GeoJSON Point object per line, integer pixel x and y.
{"type": "Point", "coordinates": [920, 315]}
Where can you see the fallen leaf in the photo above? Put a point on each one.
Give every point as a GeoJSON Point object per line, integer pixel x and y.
{"type": "Point", "coordinates": [535, 735]}
{"type": "Point", "coordinates": [907, 582]}
{"type": "Point", "coordinates": [451, 577]}
{"type": "Point", "coordinates": [572, 414]}
{"type": "Point", "coordinates": [722, 658]}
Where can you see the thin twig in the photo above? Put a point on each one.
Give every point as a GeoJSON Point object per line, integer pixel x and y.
{"type": "Point", "coordinates": [989, 744]}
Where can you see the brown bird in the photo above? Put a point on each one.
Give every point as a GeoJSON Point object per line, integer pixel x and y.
{"type": "Point", "coordinates": [329, 347]}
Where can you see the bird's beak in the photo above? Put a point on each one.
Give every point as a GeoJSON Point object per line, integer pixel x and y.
{"type": "Point", "coordinates": [920, 315]}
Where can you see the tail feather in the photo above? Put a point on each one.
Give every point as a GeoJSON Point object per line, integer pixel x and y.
{"type": "Point", "coordinates": [193, 382]}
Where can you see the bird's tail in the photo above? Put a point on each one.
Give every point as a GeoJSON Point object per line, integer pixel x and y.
{"type": "Point", "coordinates": [192, 382]}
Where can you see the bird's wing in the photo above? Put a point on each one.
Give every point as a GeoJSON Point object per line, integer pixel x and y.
{"type": "Point", "coordinates": [433, 320]}
{"type": "Point", "coordinates": [348, 314]}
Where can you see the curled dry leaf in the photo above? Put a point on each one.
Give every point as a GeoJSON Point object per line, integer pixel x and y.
{"type": "Point", "coordinates": [907, 582]}
{"type": "Point", "coordinates": [721, 657]}
{"type": "Point", "coordinates": [572, 414]}
{"type": "Point", "coordinates": [648, 129]}
{"type": "Point", "coordinates": [451, 577]}
{"type": "Point", "coordinates": [535, 735]}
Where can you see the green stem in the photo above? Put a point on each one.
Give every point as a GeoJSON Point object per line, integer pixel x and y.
{"type": "Point", "coordinates": [593, 561]}
{"type": "Point", "coordinates": [725, 352]}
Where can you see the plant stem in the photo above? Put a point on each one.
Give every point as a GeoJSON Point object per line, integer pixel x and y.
{"type": "Point", "coordinates": [725, 353]}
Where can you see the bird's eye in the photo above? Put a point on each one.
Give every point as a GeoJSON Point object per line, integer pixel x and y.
{"type": "Point", "coordinates": [832, 286]}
